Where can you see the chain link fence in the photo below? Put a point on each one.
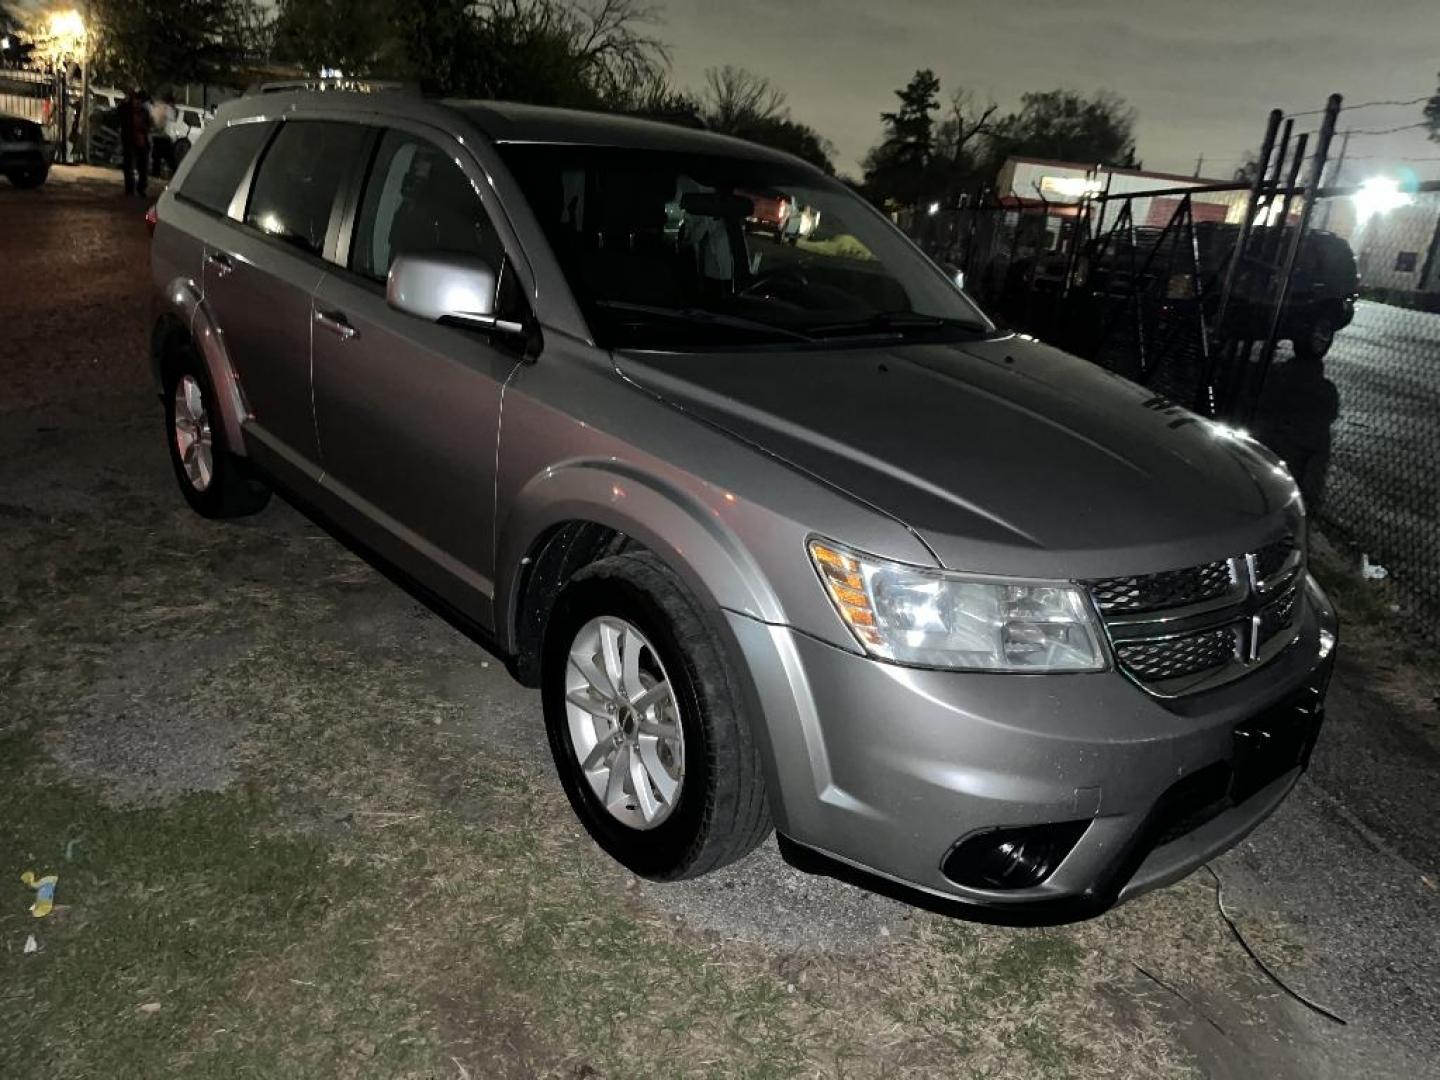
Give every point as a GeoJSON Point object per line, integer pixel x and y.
{"type": "Point", "coordinates": [1378, 459]}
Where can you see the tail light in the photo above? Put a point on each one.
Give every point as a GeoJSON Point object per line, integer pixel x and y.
{"type": "Point", "coordinates": [151, 219]}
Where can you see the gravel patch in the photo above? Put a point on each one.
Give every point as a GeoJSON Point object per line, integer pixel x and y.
{"type": "Point", "coordinates": [148, 731]}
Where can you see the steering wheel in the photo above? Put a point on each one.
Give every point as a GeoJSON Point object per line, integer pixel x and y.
{"type": "Point", "coordinates": [791, 274]}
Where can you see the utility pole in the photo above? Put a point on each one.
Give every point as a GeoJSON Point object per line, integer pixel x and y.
{"type": "Point", "coordinates": [1199, 162]}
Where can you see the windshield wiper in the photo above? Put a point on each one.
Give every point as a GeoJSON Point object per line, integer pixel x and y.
{"type": "Point", "coordinates": [891, 322]}
{"type": "Point", "coordinates": [703, 315]}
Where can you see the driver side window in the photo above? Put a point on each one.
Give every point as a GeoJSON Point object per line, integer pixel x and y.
{"type": "Point", "coordinates": [417, 200]}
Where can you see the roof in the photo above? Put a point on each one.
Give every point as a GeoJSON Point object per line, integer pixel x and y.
{"type": "Point", "coordinates": [509, 122]}
{"type": "Point", "coordinates": [506, 121]}
{"type": "Point", "coordinates": [1081, 166]}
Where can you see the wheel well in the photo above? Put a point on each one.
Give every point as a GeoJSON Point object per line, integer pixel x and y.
{"type": "Point", "coordinates": [166, 339]}
{"type": "Point", "coordinates": [553, 559]}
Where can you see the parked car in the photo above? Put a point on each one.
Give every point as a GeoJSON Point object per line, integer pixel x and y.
{"type": "Point", "coordinates": [24, 153]}
{"type": "Point", "coordinates": [185, 126]}
{"type": "Point", "coordinates": [786, 535]}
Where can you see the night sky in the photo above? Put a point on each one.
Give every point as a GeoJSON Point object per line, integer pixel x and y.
{"type": "Point", "coordinates": [1202, 74]}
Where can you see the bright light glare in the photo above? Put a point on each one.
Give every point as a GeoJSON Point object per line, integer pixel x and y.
{"type": "Point", "coordinates": [1072, 187]}
{"type": "Point", "coordinates": [66, 24]}
{"type": "Point", "coordinates": [1379, 195]}
{"type": "Point", "coordinates": [934, 208]}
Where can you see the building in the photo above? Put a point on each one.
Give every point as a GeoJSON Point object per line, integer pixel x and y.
{"type": "Point", "coordinates": [1056, 188]}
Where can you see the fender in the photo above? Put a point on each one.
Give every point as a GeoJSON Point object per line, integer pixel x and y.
{"type": "Point", "coordinates": [678, 527]}
{"type": "Point", "coordinates": [184, 300]}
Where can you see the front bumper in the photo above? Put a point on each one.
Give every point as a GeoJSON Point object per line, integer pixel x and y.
{"type": "Point", "coordinates": [24, 155]}
{"type": "Point", "coordinates": [880, 770]}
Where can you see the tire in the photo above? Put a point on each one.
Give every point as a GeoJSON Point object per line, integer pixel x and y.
{"type": "Point", "coordinates": [31, 176]}
{"type": "Point", "coordinates": [226, 488]}
{"type": "Point", "coordinates": [719, 812]}
{"type": "Point", "coordinates": [1317, 337]}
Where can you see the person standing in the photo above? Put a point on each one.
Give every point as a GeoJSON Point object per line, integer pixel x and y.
{"type": "Point", "coordinates": [134, 121]}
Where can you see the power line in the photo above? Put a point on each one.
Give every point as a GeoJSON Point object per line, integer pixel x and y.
{"type": "Point", "coordinates": [1393, 130]}
{"type": "Point", "coordinates": [1367, 105]}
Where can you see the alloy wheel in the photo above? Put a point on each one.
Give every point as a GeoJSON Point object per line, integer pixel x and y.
{"type": "Point", "coordinates": [193, 438]}
{"type": "Point", "coordinates": [624, 722]}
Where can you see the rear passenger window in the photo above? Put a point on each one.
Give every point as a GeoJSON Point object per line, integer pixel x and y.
{"type": "Point", "coordinates": [417, 200]}
{"type": "Point", "coordinates": [212, 180]}
{"type": "Point", "coordinates": [298, 178]}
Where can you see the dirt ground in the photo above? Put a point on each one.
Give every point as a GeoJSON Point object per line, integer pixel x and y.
{"type": "Point", "coordinates": [302, 826]}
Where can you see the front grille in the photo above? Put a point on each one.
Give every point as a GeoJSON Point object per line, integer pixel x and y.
{"type": "Point", "coordinates": [1278, 616]}
{"type": "Point", "coordinates": [1167, 589]}
{"type": "Point", "coordinates": [1173, 658]}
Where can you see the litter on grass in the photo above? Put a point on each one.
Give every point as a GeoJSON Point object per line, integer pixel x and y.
{"type": "Point", "coordinates": [1372, 571]}
{"type": "Point", "coordinates": [44, 892]}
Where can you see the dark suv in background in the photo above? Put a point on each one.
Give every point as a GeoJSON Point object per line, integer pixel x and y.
{"type": "Point", "coordinates": [24, 153]}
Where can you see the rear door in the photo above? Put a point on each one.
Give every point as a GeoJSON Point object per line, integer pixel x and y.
{"type": "Point", "coordinates": [259, 278]}
{"type": "Point", "coordinates": [408, 410]}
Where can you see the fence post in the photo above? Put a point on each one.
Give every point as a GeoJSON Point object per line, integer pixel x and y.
{"type": "Point", "coordinates": [1237, 255]}
{"type": "Point", "coordinates": [1307, 207]}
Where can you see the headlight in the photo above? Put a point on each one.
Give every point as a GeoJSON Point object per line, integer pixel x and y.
{"type": "Point", "coordinates": [930, 618]}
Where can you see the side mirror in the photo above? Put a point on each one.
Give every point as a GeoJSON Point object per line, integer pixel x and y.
{"type": "Point", "coordinates": [439, 287]}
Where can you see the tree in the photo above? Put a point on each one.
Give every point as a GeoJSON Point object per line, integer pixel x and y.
{"type": "Point", "coordinates": [147, 42]}
{"type": "Point", "coordinates": [353, 36]}
{"type": "Point", "coordinates": [734, 97]}
{"type": "Point", "coordinates": [593, 54]}
{"type": "Point", "coordinates": [749, 106]}
{"type": "Point", "coordinates": [1068, 126]}
{"type": "Point", "coordinates": [960, 141]}
{"type": "Point", "coordinates": [899, 169]}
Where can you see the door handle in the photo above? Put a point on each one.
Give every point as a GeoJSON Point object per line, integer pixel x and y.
{"type": "Point", "coordinates": [336, 323]}
{"type": "Point", "coordinates": [220, 261]}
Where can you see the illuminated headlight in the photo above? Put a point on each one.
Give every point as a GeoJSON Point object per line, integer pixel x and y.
{"type": "Point", "coordinates": [930, 618]}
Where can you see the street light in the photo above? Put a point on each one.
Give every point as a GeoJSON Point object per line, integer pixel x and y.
{"type": "Point", "coordinates": [66, 42]}
{"type": "Point", "coordinates": [1379, 195]}
{"type": "Point", "coordinates": [67, 29]}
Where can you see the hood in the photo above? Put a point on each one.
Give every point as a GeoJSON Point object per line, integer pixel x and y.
{"type": "Point", "coordinates": [1004, 455]}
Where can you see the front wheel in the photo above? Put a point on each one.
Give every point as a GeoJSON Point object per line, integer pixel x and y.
{"type": "Point", "coordinates": [645, 725]}
{"type": "Point", "coordinates": [30, 177]}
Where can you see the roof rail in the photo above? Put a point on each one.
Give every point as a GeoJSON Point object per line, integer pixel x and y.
{"type": "Point", "coordinates": [337, 83]}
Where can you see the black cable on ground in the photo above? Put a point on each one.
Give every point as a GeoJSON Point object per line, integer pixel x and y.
{"type": "Point", "coordinates": [1301, 998]}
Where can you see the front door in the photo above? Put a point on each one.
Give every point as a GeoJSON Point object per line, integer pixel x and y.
{"type": "Point", "coordinates": [408, 410]}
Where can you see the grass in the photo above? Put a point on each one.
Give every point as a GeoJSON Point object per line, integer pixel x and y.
{"type": "Point", "coordinates": [384, 892]}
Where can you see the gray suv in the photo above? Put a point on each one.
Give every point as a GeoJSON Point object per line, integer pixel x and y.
{"type": "Point", "coordinates": [785, 530]}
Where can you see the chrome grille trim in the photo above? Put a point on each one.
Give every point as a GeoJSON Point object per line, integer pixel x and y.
{"type": "Point", "coordinates": [1178, 632]}
{"type": "Point", "coordinates": [1144, 593]}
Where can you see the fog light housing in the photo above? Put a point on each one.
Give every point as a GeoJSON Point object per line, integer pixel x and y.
{"type": "Point", "coordinates": [1004, 859]}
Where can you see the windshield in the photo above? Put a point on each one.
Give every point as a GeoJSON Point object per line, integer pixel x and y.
{"type": "Point", "coordinates": [672, 250]}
